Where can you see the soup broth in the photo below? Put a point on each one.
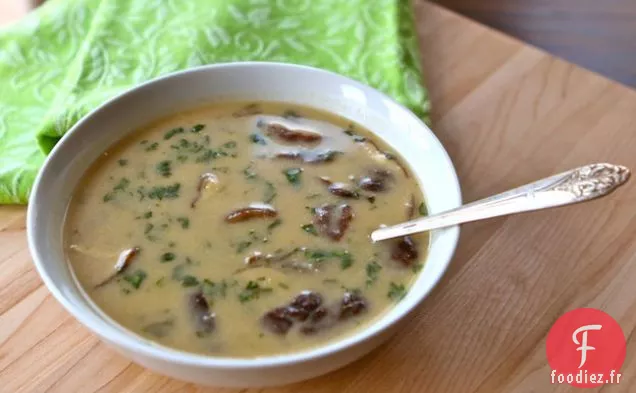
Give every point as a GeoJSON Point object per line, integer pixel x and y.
{"type": "Point", "coordinates": [243, 230]}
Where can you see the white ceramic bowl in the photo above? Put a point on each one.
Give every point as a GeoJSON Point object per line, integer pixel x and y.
{"type": "Point", "coordinates": [237, 81]}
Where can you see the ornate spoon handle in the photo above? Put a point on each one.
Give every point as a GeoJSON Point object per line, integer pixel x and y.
{"type": "Point", "coordinates": [577, 185]}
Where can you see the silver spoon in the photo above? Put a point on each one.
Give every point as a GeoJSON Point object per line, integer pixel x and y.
{"type": "Point", "coordinates": [577, 185]}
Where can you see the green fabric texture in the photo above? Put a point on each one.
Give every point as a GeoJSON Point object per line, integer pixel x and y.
{"type": "Point", "coordinates": [69, 56]}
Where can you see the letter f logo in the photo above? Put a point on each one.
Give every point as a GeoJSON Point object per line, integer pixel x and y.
{"type": "Point", "coordinates": [583, 344]}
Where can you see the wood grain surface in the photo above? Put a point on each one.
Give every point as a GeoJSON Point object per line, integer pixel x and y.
{"type": "Point", "coordinates": [507, 114]}
{"type": "Point", "coordinates": [597, 34]}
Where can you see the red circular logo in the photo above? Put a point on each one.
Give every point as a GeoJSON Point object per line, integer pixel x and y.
{"type": "Point", "coordinates": [586, 348]}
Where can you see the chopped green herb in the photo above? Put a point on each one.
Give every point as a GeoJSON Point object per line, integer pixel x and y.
{"type": "Point", "coordinates": [293, 175]}
{"type": "Point", "coordinates": [373, 271]}
{"type": "Point", "coordinates": [189, 281]}
{"type": "Point", "coordinates": [242, 246]}
{"type": "Point", "coordinates": [148, 228]}
{"type": "Point", "coordinates": [197, 128]}
{"type": "Point", "coordinates": [143, 142]}
{"type": "Point", "coordinates": [270, 192]}
{"type": "Point", "coordinates": [122, 185]}
{"type": "Point", "coordinates": [181, 158]}
{"type": "Point", "coordinates": [249, 172]}
{"type": "Point", "coordinates": [147, 214]}
{"type": "Point", "coordinates": [371, 199]}
{"type": "Point", "coordinates": [346, 260]}
{"type": "Point", "coordinates": [122, 162]}
{"type": "Point", "coordinates": [167, 257]}
{"type": "Point", "coordinates": [422, 209]}
{"type": "Point", "coordinates": [184, 221]}
{"type": "Point", "coordinates": [417, 267]}
{"type": "Point", "coordinates": [109, 196]}
{"type": "Point", "coordinates": [310, 228]}
{"type": "Point", "coordinates": [211, 154]}
{"type": "Point", "coordinates": [212, 289]}
{"type": "Point", "coordinates": [230, 145]}
{"type": "Point", "coordinates": [172, 244]}
{"type": "Point", "coordinates": [160, 282]}
{"type": "Point", "coordinates": [178, 272]}
{"type": "Point", "coordinates": [152, 147]}
{"type": "Point", "coordinates": [135, 279]}
{"type": "Point", "coordinates": [283, 285]}
{"type": "Point", "coordinates": [317, 255]}
{"type": "Point", "coordinates": [165, 192]}
{"type": "Point", "coordinates": [164, 168]}
{"type": "Point", "coordinates": [274, 224]}
{"type": "Point", "coordinates": [359, 138]}
{"type": "Point", "coordinates": [252, 291]}
{"type": "Point", "coordinates": [396, 292]}
{"type": "Point", "coordinates": [173, 132]}
{"type": "Point", "coordinates": [258, 139]}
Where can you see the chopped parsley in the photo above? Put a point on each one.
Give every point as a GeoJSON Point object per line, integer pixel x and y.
{"type": "Point", "coordinates": [109, 196]}
{"type": "Point", "coordinates": [249, 172]}
{"type": "Point", "coordinates": [167, 257]}
{"type": "Point", "coordinates": [417, 267]}
{"type": "Point", "coordinates": [184, 221]}
{"type": "Point", "coordinates": [152, 146]}
{"type": "Point", "coordinates": [252, 291]}
{"type": "Point", "coordinates": [122, 162]}
{"type": "Point", "coordinates": [242, 246]}
{"type": "Point", "coordinates": [148, 228]}
{"type": "Point", "coordinates": [274, 224]}
{"type": "Point", "coordinates": [293, 175]}
{"type": "Point", "coordinates": [173, 132]}
{"type": "Point", "coordinates": [396, 292]}
{"type": "Point", "coordinates": [197, 128]}
{"type": "Point", "coordinates": [318, 255]}
{"type": "Point", "coordinates": [422, 209]}
{"type": "Point", "coordinates": [147, 214]}
{"type": "Point", "coordinates": [346, 260]}
{"type": "Point", "coordinates": [189, 281]}
{"type": "Point", "coordinates": [310, 228]}
{"type": "Point", "coordinates": [165, 192]}
{"type": "Point", "coordinates": [270, 192]}
{"type": "Point", "coordinates": [213, 289]}
{"type": "Point", "coordinates": [135, 279]}
{"type": "Point", "coordinates": [122, 185]}
{"type": "Point", "coordinates": [230, 145]}
{"type": "Point", "coordinates": [258, 139]}
{"type": "Point", "coordinates": [164, 168]}
{"type": "Point", "coordinates": [373, 271]}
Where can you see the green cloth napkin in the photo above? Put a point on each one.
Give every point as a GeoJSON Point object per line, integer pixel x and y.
{"type": "Point", "coordinates": [69, 56]}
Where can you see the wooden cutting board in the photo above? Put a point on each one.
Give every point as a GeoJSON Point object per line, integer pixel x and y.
{"type": "Point", "coordinates": [508, 114]}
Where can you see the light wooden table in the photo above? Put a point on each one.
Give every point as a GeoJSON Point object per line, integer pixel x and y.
{"type": "Point", "coordinates": [508, 114]}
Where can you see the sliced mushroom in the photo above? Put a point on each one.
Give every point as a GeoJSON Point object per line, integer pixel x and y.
{"type": "Point", "coordinates": [304, 304]}
{"type": "Point", "coordinates": [405, 251]}
{"type": "Point", "coordinates": [388, 156]}
{"type": "Point", "coordinates": [206, 180]}
{"type": "Point", "coordinates": [376, 180]}
{"type": "Point", "coordinates": [342, 190]}
{"type": "Point", "coordinates": [250, 212]}
{"type": "Point", "coordinates": [126, 257]}
{"type": "Point", "coordinates": [281, 132]}
{"type": "Point", "coordinates": [351, 305]}
{"type": "Point", "coordinates": [204, 319]}
{"type": "Point", "coordinates": [333, 221]}
{"type": "Point", "coordinates": [277, 321]}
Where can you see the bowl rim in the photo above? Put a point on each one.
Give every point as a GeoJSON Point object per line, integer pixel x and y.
{"type": "Point", "coordinates": [130, 341]}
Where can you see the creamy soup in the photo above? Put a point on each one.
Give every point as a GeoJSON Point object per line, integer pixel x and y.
{"type": "Point", "coordinates": [244, 230]}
